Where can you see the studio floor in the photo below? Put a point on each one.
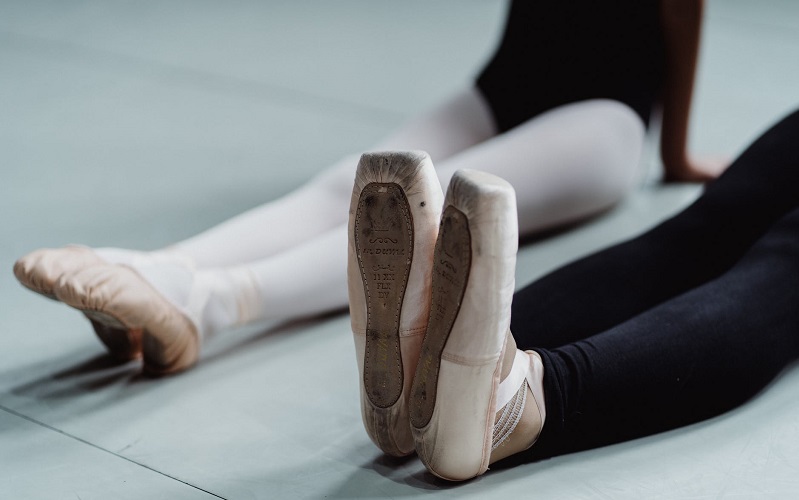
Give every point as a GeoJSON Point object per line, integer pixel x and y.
{"type": "Point", "coordinates": [137, 124]}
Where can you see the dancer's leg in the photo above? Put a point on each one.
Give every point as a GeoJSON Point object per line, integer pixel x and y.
{"type": "Point", "coordinates": [611, 286]}
{"type": "Point", "coordinates": [321, 204]}
{"type": "Point", "coordinates": [165, 311]}
{"type": "Point", "coordinates": [269, 230]}
{"type": "Point", "coordinates": [212, 300]}
{"type": "Point", "coordinates": [688, 359]}
{"type": "Point", "coordinates": [468, 404]}
{"type": "Point", "coordinates": [308, 279]}
{"type": "Point", "coordinates": [565, 164]}
{"type": "Point", "coordinates": [559, 176]}
{"type": "Point", "coordinates": [559, 180]}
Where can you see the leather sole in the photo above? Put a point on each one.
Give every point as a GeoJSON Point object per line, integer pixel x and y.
{"type": "Point", "coordinates": [383, 235]}
{"type": "Point", "coordinates": [451, 263]}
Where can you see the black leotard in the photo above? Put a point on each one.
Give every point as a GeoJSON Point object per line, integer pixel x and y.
{"type": "Point", "coordinates": [555, 52]}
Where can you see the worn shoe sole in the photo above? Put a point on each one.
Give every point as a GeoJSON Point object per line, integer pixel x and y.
{"type": "Point", "coordinates": [452, 259]}
{"type": "Point", "coordinates": [394, 215]}
{"type": "Point", "coordinates": [384, 247]}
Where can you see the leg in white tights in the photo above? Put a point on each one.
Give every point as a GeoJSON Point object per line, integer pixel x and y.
{"type": "Point", "coordinates": [303, 281]}
{"type": "Point", "coordinates": [322, 203]}
{"type": "Point", "coordinates": [565, 165]}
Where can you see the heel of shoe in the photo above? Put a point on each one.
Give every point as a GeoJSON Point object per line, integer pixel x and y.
{"type": "Point", "coordinates": [173, 349]}
{"type": "Point", "coordinates": [122, 343]}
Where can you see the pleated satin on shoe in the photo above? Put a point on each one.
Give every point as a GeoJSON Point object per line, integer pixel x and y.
{"type": "Point", "coordinates": [40, 271]}
{"type": "Point", "coordinates": [394, 215]}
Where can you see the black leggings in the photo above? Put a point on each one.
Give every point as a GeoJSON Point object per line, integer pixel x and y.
{"type": "Point", "coordinates": [680, 324]}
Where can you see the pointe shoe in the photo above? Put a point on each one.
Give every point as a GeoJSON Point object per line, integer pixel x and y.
{"type": "Point", "coordinates": [460, 413]}
{"type": "Point", "coordinates": [40, 270]}
{"type": "Point", "coordinates": [117, 297]}
{"type": "Point", "coordinates": [394, 215]}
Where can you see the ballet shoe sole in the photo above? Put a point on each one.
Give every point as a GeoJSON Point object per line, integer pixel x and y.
{"type": "Point", "coordinates": [384, 247]}
{"type": "Point", "coordinates": [451, 265]}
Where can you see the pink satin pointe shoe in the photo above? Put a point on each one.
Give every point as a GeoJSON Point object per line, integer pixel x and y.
{"type": "Point", "coordinates": [475, 398]}
{"type": "Point", "coordinates": [393, 223]}
{"type": "Point", "coordinates": [119, 298]}
{"type": "Point", "coordinates": [40, 270]}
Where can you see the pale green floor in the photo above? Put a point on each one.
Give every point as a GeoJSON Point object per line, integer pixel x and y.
{"type": "Point", "coordinates": [137, 124]}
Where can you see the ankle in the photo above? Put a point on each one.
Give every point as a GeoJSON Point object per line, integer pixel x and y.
{"type": "Point", "coordinates": [225, 298]}
{"type": "Point", "coordinates": [524, 418]}
{"type": "Point", "coordinates": [519, 423]}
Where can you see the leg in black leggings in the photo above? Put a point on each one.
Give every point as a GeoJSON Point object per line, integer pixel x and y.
{"type": "Point", "coordinates": [699, 244]}
{"type": "Point", "coordinates": [693, 357]}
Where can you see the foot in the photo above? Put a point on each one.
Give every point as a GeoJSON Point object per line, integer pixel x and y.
{"type": "Point", "coordinates": [122, 299]}
{"type": "Point", "coordinates": [475, 398]}
{"type": "Point", "coordinates": [154, 306]}
{"type": "Point", "coordinates": [394, 215]}
{"type": "Point", "coordinates": [40, 270]}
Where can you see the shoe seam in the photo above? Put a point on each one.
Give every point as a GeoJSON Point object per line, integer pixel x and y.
{"type": "Point", "coordinates": [462, 360]}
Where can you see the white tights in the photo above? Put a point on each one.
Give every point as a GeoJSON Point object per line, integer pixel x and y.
{"type": "Point", "coordinates": [287, 258]}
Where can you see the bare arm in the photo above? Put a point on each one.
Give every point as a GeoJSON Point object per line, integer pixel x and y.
{"type": "Point", "coordinates": [682, 20]}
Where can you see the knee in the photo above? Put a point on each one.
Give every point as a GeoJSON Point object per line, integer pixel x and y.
{"type": "Point", "coordinates": [614, 138]}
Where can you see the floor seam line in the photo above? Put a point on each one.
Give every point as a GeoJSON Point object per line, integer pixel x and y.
{"type": "Point", "coordinates": [81, 440]}
{"type": "Point", "coordinates": [213, 80]}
